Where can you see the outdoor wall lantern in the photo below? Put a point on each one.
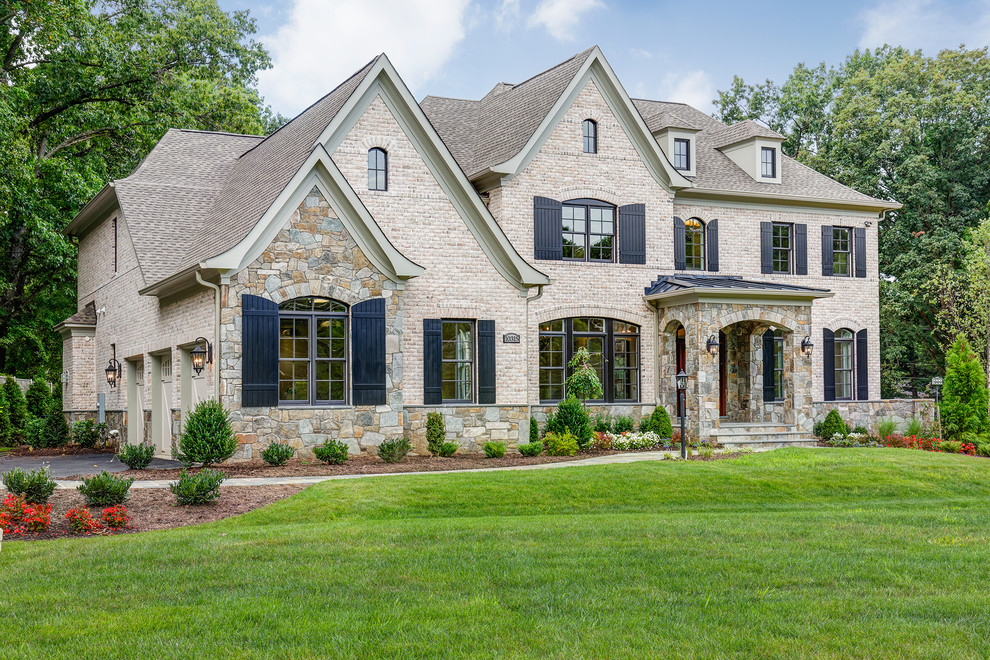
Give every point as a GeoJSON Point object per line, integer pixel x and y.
{"type": "Point", "coordinates": [201, 355]}
{"type": "Point", "coordinates": [682, 379]}
{"type": "Point", "coordinates": [113, 370]}
{"type": "Point", "coordinates": [712, 345]}
{"type": "Point", "coordinates": [807, 346]}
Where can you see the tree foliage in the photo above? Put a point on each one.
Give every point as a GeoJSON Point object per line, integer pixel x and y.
{"type": "Point", "coordinates": [965, 397]}
{"type": "Point", "coordinates": [86, 89]}
{"type": "Point", "coordinates": [583, 382]}
{"type": "Point", "coordinates": [898, 125]}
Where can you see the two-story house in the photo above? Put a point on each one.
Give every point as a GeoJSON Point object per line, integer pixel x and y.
{"type": "Point", "coordinates": [376, 259]}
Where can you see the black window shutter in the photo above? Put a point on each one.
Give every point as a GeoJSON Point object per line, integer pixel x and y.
{"type": "Point", "coordinates": [547, 229]}
{"type": "Point", "coordinates": [827, 252]}
{"type": "Point", "coordinates": [486, 361]}
{"type": "Point", "coordinates": [766, 247]}
{"type": "Point", "coordinates": [680, 255]}
{"type": "Point", "coordinates": [432, 361]}
{"type": "Point", "coordinates": [828, 359]}
{"type": "Point", "coordinates": [632, 234]}
{"type": "Point", "coordinates": [368, 352]}
{"type": "Point", "coordinates": [768, 388]}
{"type": "Point", "coordinates": [862, 367]}
{"type": "Point", "coordinates": [712, 245]}
{"type": "Point", "coordinates": [860, 249]}
{"type": "Point", "coordinates": [259, 352]}
{"type": "Point", "coordinates": [801, 249]}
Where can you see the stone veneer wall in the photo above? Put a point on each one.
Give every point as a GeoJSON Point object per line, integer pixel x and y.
{"type": "Point", "coordinates": [313, 255]}
{"type": "Point", "coordinates": [869, 413]}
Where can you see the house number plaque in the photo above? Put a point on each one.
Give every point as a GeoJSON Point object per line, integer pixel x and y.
{"type": "Point", "coordinates": [510, 338]}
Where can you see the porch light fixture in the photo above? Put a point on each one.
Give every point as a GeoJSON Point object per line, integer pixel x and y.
{"type": "Point", "coordinates": [113, 370]}
{"type": "Point", "coordinates": [712, 345]}
{"type": "Point", "coordinates": [682, 379]}
{"type": "Point", "coordinates": [201, 354]}
{"type": "Point", "coordinates": [807, 346]}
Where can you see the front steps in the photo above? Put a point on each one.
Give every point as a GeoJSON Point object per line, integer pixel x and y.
{"type": "Point", "coordinates": [761, 436]}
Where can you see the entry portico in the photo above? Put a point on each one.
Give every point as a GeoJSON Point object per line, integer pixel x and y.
{"type": "Point", "coordinates": [746, 347]}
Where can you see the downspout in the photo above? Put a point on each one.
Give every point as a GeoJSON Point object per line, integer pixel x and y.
{"type": "Point", "coordinates": [216, 334]}
{"type": "Point", "coordinates": [539, 294]}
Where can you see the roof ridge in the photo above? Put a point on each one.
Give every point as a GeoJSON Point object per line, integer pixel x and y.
{"type": "Point", "coordinates": [548, 70]}
{"type": "Point", "coordinates": [448, 98]}
{"type": "Point", "coordinates": [195, 130]}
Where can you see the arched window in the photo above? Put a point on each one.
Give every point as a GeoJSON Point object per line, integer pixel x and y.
{"type": "Point", "coordinates": [312, 351]}
{"type": "Point", "coordinates": [377, 169]}
{"type": "Point", "coordinates": [844, 364]}
{"type": "Point", "coordinates": [694, 244]}
{"type": "Point", "coordinates": [614, 348]}
{"type": "Point", "coordinates": [589, 130]}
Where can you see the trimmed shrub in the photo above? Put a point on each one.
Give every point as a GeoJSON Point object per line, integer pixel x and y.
{"type": "Point", "coordinates": [82, 521]}
{"type": "Point", "coordinates": [571, 417]}
{"type": "Point", "coordinates": [494, 449]}
{"type": "Point", "coordinates": [136, 457]}
{"type": "Point", "coordinates": [54, 431]}
{"type": "Point", "coordinates": [16, 406]}
{"type": "Point", "coordinates": [105, 489]}
{"type": "Point", "coordinates": [964, 395]}
{"type": "Point", "coordinates": [534, 430]}
{"type": "Point", "coordinates": [436, 432]}
{"type": "Point", "coordinates": [87, 433]}
{"type": "Point", "coordinates": [208, 438]}
{"type": "Point", "coordinates": [603, 423]}
{"type": "Point", "coordinates": [560, 444]}
{"type": "Point", "coordinates": [35, 486]}
{"type": "Point", "coordinates": [277, 453]}
{"type": "Point", "coordinates": [39, 397]}
{"type": "Point", "coordinates": [831, 425]}
{"type": "Point", "coordinates": [448, 449]}
{"type": "Point", "coordinates": [116, 517]}
{"type": "Point", "coordinates": [531, 449]}
{"type": "Point", "coordinates": [886, 427]}
{"type": "Point", "coordinates": [658, 422]}
{"type": "Point", "coordinates": [623, 424]}
{"type": "Point", "coordinates": [950, 446]}
{"type": "Point", "coordinates": [393, 451]}
{"type": "Point", "coordinates": [33, 432]}
{"type": "Point", "coordinates": [332, 452]}
{"type": "Point", "coordinates": [197, 489]}
{"type": "Point", "coordinates": [861, 430]}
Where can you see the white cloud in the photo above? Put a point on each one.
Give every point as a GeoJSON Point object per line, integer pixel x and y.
{"type": "Point", "coordinates": [927, 24]}
{"type": "Point", "coordinates": [561, 17]}
{"type": "Point", "coordinates": [322, 43]}
{"type": "Point", "coordinates": [693, 87]}
{"type": "Point", "coordinates": [506, 14]}
{"type": "Point", "coordinates": [641, 53]}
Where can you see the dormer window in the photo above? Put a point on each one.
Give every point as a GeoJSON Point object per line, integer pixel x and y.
{"type": "Point", "coordinates": [590, 132]}
{"type": "Point", "coordinates": [377, 169]}
{"type": "Point", "coordinates": [768, 162]}
{"type": "Point", "coordinates": [682, 154]}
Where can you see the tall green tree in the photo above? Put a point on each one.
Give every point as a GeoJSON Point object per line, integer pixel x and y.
{"type": "Point", "coordinates": [86, 89]}
{"type": "Point", "coordinates": [895, 124]}
{"type": "Point", "coordinates": [965, 397]}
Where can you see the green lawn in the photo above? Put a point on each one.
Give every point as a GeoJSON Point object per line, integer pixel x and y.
{"type": "Point", "coordinates": [845, 553]}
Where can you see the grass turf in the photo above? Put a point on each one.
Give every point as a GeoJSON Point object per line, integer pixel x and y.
{"type": "Point", "coordinates": [825, 553]}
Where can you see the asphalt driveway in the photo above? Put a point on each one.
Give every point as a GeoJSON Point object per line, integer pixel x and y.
{"type": "Point", "coordinates": [64, 466]}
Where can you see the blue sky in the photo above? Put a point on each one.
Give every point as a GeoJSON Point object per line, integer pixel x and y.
{"type": "Point", "coordinates": [676, 51]}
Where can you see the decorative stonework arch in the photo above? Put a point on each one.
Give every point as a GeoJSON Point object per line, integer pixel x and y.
{"type": "Point", "coordinates": [762, 316]}
{"type": "Point", "coordinates": [603, 194]}
{"type": "Point", "coordinates": [595, 114]}
{"type": "Point", "coordinates": [323, 288]}
{"type": "Point", "coordinates": [837, 324]}
{"type": "Point", "coordinates": [603, 311]}
{"type": "Point", "coordinates": [380, 141]}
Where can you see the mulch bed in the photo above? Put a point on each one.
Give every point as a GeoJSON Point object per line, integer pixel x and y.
{"type": "Point", "coordinates": [363, 464]}
{"type": "Point", "coordinates": [67, 450]}
{"type": "Point", "coordinates": [155, 508]}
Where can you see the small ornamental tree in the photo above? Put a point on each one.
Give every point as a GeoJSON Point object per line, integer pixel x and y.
{"type": "Point", "coordinates": [16, 408]}
{"type": "Point", "coordinates": [39, 397]}
{"type": "Point", "coordinates": [208, 437]}
{"type": "Point", "coordinates": [964, 396]}
{"type": "Point", "coordinates": [583, 383]}
{"type": "Point", "coordinates": [436, 433]}
{"type": "Point", "coordinates": [54, 430]}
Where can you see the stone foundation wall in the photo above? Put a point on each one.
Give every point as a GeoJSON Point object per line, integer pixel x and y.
{"type": "Point", "coordinates": [869, 413]}
{"type": "Point", "coordinates": [470, 426]}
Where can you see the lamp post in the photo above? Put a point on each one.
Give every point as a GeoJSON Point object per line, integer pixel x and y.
{"type": "Point", "coordinates": [682, 379]}
{"type": "Point", "coordinates": [937, 385]}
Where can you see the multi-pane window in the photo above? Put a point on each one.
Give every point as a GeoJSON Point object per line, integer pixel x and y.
{"type": "Point", "coordinates": [377, 169]}
{"type": "Point", "coordinates": [614, 347]}
{"type": "Point", "coordinates": [782, 248]}
{"type": "Point", "coordinates": [768, 162]}
{"type": "Point", "coordinates": [694, 244]}
{"type": "Point", "coordinates": [844, 364]}
{"type": "Point", "coordinates": [682, 154]}
{"type": "Point", "coordinates": [312, 351]}
{"type": "Point", "coordinates": [588, 230]}
{"type": "Point", "coordinates": [840, 251]}
{"type": "Point", "coordinates": [457, 368]}
{"type": "Point", "coordinates": [589, 130]}
{"type": "Point", "coordinates": [778, 365]}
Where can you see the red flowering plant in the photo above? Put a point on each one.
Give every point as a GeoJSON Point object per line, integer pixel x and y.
{"type": "Point", "coordinates": [35, 518]}
{"type": "Point", "coordinates": [82, 521]}
{"type": "Point", "coordinates": [116, 517]}
{"type": "Point", "coordinates": [969, 449]}
{"type": "Point", "coordinates": [11, 513]}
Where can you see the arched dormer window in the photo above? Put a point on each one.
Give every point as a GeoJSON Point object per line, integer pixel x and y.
{"type": "Point", "coordinates": [312, 351]}
{"type": "Point", "coordinates": [589, 130]}
{"type": "Point", "coordinates": [694, 244]}
{"type": "Point", "coordinates": [377, 169]}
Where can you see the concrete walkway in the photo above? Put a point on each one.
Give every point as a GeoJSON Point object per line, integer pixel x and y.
{"type": "Point", "coordinates": [276, 481]}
